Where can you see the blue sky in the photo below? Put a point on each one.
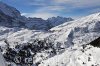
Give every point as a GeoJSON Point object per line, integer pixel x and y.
{"type": "Point", "coordinates": [49, 8]}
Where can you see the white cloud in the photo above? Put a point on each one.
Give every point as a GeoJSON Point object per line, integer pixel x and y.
{"type": "Point", "coordinates": [54, 8]}
{"type": "Point", "coordinates": [43, 15]}
{"type": "Point", "coordinates": [79, 3]}
{"type": "Point", "coordinates": [61, 1]}
{"type": "Point", "coordinates": [58, 6]}
{"type": "Point", "coordinates": [37, 4]}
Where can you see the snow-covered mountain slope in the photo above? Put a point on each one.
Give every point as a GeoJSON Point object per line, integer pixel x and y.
{"type": "Point", "coordinates": [10, 16]}
{"type": "Point", "coordinates": [81, 31]}
{"type": "Point", "coordinates": [75, 56]}
{"type": "Point", "coordinates": [84, 55]}
{"type": "Point", "coordinates": [71, 36]}
{"type": "Point", "coordinates": [8, 10]}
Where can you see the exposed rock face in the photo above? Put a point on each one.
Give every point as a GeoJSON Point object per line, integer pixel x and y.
{"type": "Point", "coordinates": [10, 17]}
{"type": "Point", "coordinates": [37, 24]}
{"type": "Point", "coordinates": [96, 42]}
{"type": "Point", "coordinates": [8, 10]}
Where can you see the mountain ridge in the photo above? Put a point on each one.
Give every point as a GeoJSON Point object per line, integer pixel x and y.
{"type": "Point", "coordinates": [13, 18]}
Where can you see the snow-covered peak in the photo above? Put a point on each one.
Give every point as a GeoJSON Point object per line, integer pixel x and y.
{"type": "Point", "coordinates": [81, 31]}
{"type": "Point", "coordinates": [76, 35]}
{"type": "Point", "coordinates": [79, 22]}
{"type": "Point", "coordinates": [8, 10]}
{"type": "Point", "coordinates": [41, 24]}
{"type": "Point", "coordinates": [55, 21]}
{"type": "Point", "coordinates": [12, 17]}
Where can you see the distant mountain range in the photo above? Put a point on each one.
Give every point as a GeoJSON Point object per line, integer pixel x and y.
{"type": "Point", "coordinates": [11, 17]}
